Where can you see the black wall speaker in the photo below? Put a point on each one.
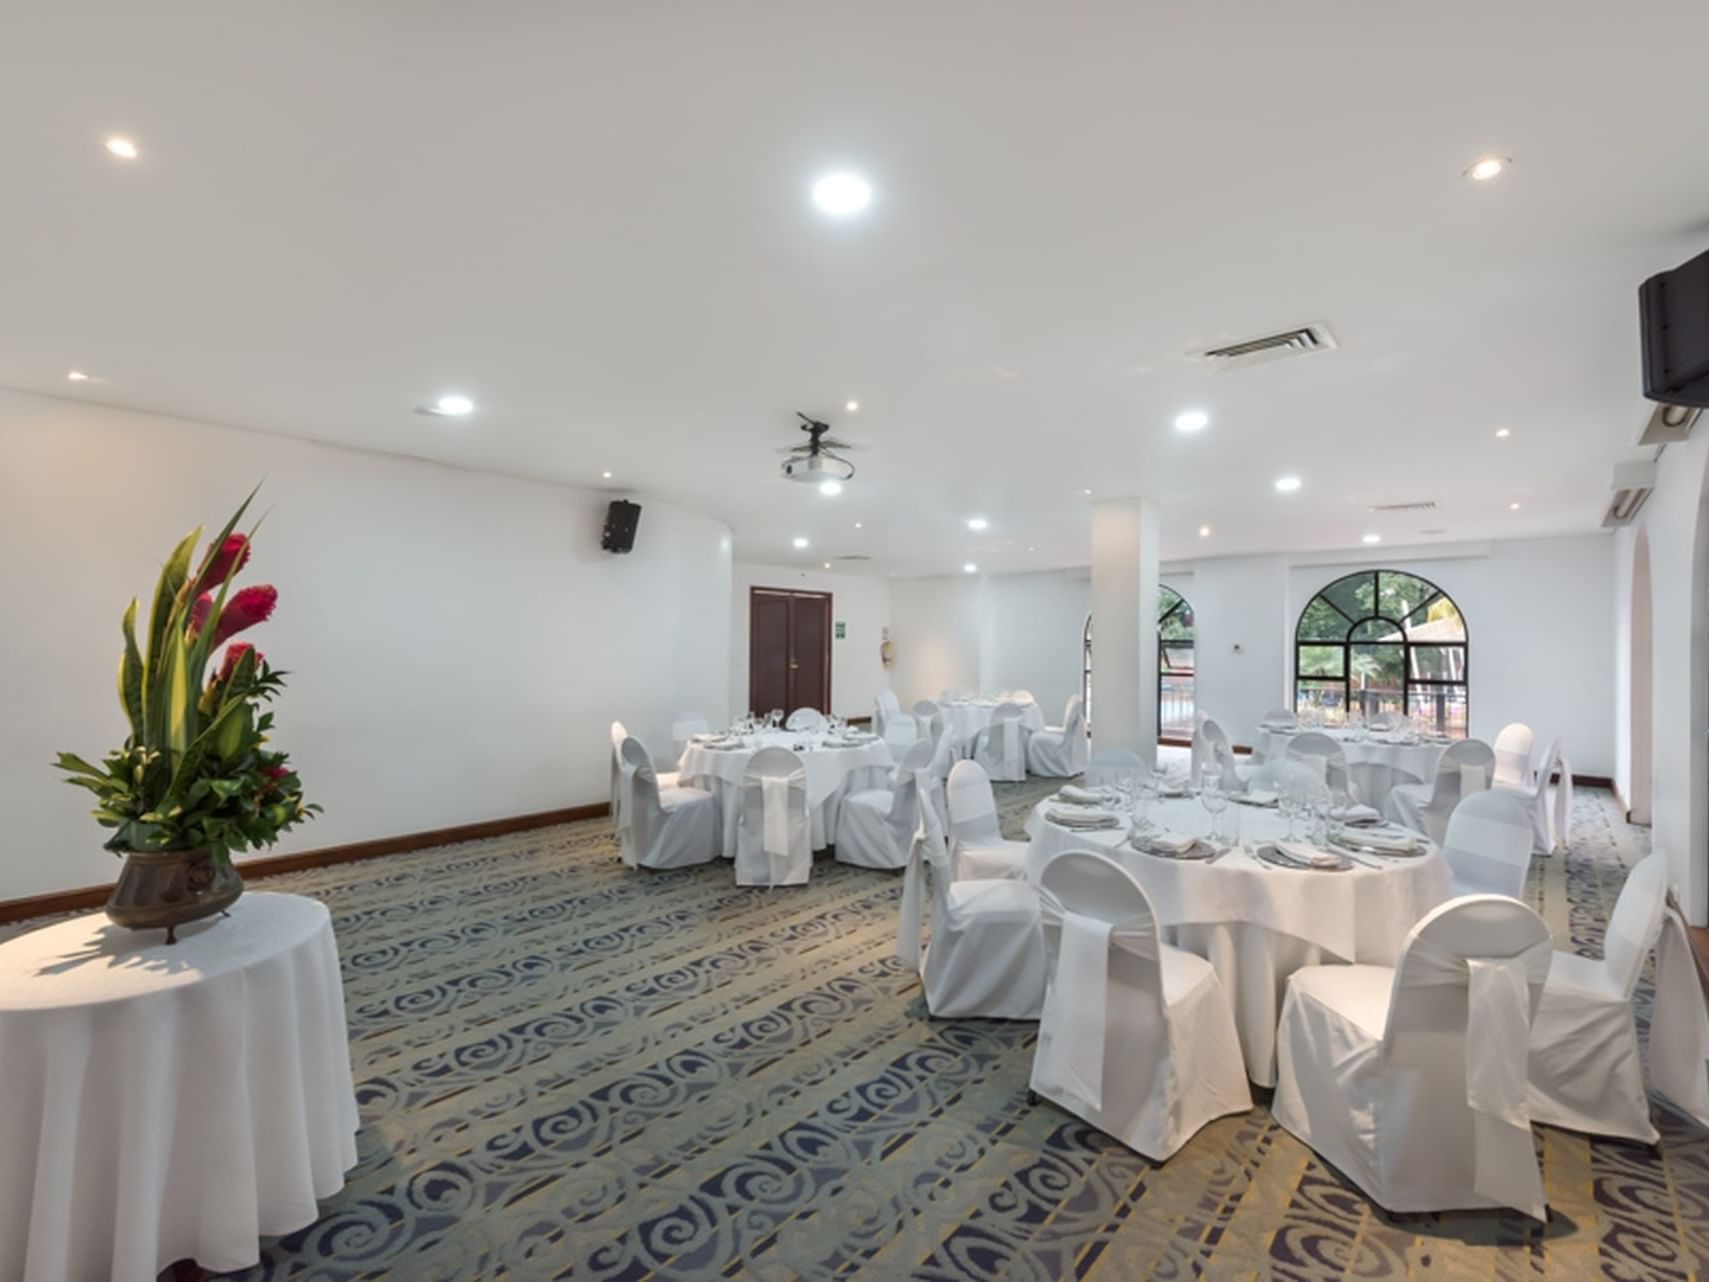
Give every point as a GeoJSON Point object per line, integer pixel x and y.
{"type": "Point", "coordinates": [1673, 308]}
{"type": "Point", "coordinates": [621, 518]}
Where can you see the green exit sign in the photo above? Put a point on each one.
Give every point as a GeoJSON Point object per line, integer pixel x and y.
{"type": "Point", "coordinates": [841, 629]}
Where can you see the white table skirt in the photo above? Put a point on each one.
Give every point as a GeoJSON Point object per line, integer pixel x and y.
{"type": "Point", "coordinates": [832, 773]}
{"type": "Point", "coordinates": [963, 721]}
{"type": "Point", "coordinates": [1256, 924]}
{"type": "Point", "coordinates": [1375, 766]}
{"type": "Point", "coordinates": [168, 1103]}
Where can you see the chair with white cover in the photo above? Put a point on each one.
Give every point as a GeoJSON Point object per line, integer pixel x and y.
{"type": "Point", "coordinates": [1467, 767]}
{"type": "Point", "coordinates": [927, 714]}
{"type": "Point", "coordinates": [662, 827]}
{"type": "Point", "coordinates": [772, 838]}
{"type": "Point", "coordinates": [1513, 756]}
{"type": "Point", "coordinates": [1059, 752]}
{"type": "Point", "coordinates": [986, 957]}
{"type": "Point", "coordinates": [889, 722]}
{"type": "Point", "coordinates": [1329, 759]}
{"type": "Point", "coordinates": [1001, 747]}
{"type": "Point", "coordinates": [876, 827]}
{"type": "Point", "coordinates": [1411, 1080]}
{"type": "Point", "coordinates": [1109, 766]}
{"type": "Point", "coordinates": [618, 734]}
{"type": "Point", "coordinates": [944, 755]}
{"type": "Point", "coordinates": [1586, 1072]}
{"type": "Point", "coordinates": [1550, 814]}
{"type": "Point", "coordinates": [977, 848]}
{"type": "Point", "coordinates": [1488, 845]}
{"type": "Point", "coordinates": [808, 720]}
{"type": "Point", "coordinates": [1211, 747]}
{"type": "Point", "coordinates": [1136, 1038]}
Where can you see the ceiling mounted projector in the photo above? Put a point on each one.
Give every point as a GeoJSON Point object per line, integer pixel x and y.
{"type": "Point", "coordinates": [815, 462]}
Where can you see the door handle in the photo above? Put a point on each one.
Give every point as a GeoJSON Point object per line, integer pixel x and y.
{"type": "Point", "coordinates": [793, 665]}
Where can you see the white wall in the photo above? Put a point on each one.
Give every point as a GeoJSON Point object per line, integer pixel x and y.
{"type": "Point", "coordinates": [1535, 611]}
{"type": "Point", "coordinates": [457, 641]}
{"type": "Point", "coordinates": [861, 603]}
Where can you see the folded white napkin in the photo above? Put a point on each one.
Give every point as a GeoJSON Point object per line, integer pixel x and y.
{"type": "Point", "coordinates": [1168, 843]}
{"type": "Point", "coordinates": [1257, 797]}
{"type": "Point", "coordinates": [1310, 855]}
{"type": "Point", "coordinates": [1082, 818]}
{"type": "Point", "coordinates": [1358, 813]}
{"type": "Point", "coordinates": [1397, 840]}
{"type": "Point", "coordinates": [1081, 796]}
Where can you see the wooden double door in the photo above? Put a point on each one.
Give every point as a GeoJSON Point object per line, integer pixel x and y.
{"type": "Point", "coordinates": [789, 650]}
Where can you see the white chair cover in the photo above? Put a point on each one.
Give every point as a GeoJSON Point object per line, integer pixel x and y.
{"type": "Point", "coordinates": [1118, 998]}
{"type": "Point", "coordinates": [889, 722]}
{"type": "Point", "coordinates": [1586, 1071]}
{"type": "Point", "coordinates": [662, 827]}
{"type": "Point", "coordinates": [772, 844]}
{"type": "Point", "coordinates": [977, 849]}
{"type": "Point", "coordinates": [1488, 845]}
{"type": "Point", "coordinates": [1001, 747]}
{"type": "Point", "coordinates": [1513, 756]}
{"type": "Point", "coordinates": [1466, 768]}
{"type": "Point", "coordinates": [1679, 1022]}
{"type": "Point", "coordinates": [810, 720]}
{"type": "Point", "coordinates": [1412, 1082]}
{"type": "Point", "coordinates": [986, 957]}
{"type": "Point", "coordinates": [618, 735]}
{"type": "Point", "coordinates": [1329, 760]}
{"type": "Point", "coordinates": [944, 753]}
{"type": "Point", "coordinates": [1111, 765]}
{"type": "Point", "coordinates": [1549, 822]}
{"type": "Point", "coordinates": [1211, 747]}
{"type": "Point", "coordinates": [876, 828]}
{"type": "Point", "coordinates": [1059, 752]}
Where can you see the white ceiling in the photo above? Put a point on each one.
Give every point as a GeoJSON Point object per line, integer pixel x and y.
{"type": "Point", "coordinates": [593, 219]}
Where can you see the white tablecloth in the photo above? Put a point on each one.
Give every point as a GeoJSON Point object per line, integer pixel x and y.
{"type": "Point", "coordinates": [965, 719]}
{"type": "Point", "coordinates": [170, 1102]}
{"type": "Point", "coordinates": [1257, 924]}
{"type": "Point", "coordinates": [1376, 765]}
{"type": "Point", "coordinates": [832, 772]}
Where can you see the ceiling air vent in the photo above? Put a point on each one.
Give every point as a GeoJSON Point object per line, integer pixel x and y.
{"type": "Point", "coordinates": [853, 556]}
{"type": "Point", "coordinates": [1668, 425]}
{"type": "Point", "coordinates": [1417, 505]}
{"type": "Point", "coordinates": [1290, 342]}
{"type": "Point", "coordinates": [1632, 485]}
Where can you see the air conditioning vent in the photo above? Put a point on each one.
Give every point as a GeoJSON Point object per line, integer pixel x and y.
{"type": "Point", "coordinates": [1668, 425]}
{"type": "Point", "coordinates": [1290, 342]}
{"type": "Point", "coordinates": [1417, 505]}
{"type": "Point", "coordinates": [853, 556]}
{"type": "Point", "coordinates": [1632, 485]}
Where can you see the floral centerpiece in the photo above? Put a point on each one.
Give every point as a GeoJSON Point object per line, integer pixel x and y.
{"type": "Point", "coordinates": [194, 782]}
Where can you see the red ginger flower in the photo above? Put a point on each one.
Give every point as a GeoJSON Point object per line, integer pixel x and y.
{"type": "Point", "coordinates": [244, 609]}
{"type": "Point", "coordinates": [233, 656]}
{"type": "Point", "coordinates": [223, 562]}
{"type": "Point", "coordinates": [199, 612]}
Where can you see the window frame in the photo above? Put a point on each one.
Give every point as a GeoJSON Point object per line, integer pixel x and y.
{"type": "Point", "coordinates": [1164, 669]}
{"type": "Point", "coordinates": [1346, 645]}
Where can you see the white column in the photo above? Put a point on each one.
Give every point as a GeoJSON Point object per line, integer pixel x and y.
{"type": "Point", "coordinates": [1124, 626]}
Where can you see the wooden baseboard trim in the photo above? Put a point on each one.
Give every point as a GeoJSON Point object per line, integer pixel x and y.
{"type": "Point", "coordinates": [86, 897]}
{"type": "Point", "coordinates": [1595, 781]}
{"type": "Point", "coordinates": [1238, 749]}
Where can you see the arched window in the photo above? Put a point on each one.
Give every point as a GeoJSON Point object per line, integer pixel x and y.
{"type": "Point", "coordinates": [1383, 641]}
{"type": "Point", "coordinates": [1174, 665]}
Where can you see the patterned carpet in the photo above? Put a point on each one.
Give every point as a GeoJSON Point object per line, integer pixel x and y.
{"type": "Point", "coordinates": [572, 1071]}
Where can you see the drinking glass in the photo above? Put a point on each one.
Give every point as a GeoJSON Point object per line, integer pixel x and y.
{"type": "Point", "coordinates": [1215, 801]}
{"type": "Point", "coordinates": [1288, 802]}
{"type": "Point", "coordinates": [1144, 795]}
{"type": "Point", "coordinates": [1320, 806]}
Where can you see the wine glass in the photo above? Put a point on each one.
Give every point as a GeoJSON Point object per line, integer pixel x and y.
{"type": "Point", "coordinates": [1288, 802]}
{"type": "Point", "coordinates": [1144, 796]}
{"type": "Point", "coordinates": [1215, 801]}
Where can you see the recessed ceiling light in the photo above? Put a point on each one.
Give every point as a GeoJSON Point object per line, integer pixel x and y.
{"type": "Point", "coordinates": [1032, 549]}
{"type": "Point", "coordinates": [1502, 433]}
{"type": "Point", "coordinates": [1513, 507]}
{"type": "Point", "coordinates": [1192, 421]}
{"type": "Point", "coordinates": [842, 194]}
{"type": "Point", "coordinates": [1487, 167]}
{"type": "Point", "coordinates": [799, 541]}
{"type": "Point", "coordinates": [605, 476]}
{"type": "Point", "coordinates": [122, 147]}
{"type": "Point", "coordinates": [1204, 531]}
{"type": "Point", "coordinates": [977, 523]}
{"type": "Point", "coordinates": [827, 565]}
{"type": "Point", "coordinates": [1372, 538]}
{"type": "Point", "coordinates": [969, 568]}
{"type": "Point", "coordinates": [452, 405]}
{"type": "Point", "coordinates": [857, 525]}
{"type": "Point", "coordinates": [853, 407]}
{"type": "Point", "coordinates": [1085, 491]}
{"type": "Point", "coordinates": [1287, 484]}
{"type": "Point", "coordinates": [77, 376]}
{"type": "Point", "coordinates": [830, 489]}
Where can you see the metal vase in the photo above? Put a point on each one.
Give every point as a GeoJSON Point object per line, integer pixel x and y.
{"type": "Point", "coordinates": [161, 890]}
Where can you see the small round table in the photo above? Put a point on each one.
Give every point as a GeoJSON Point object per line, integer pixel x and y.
{"type": "Point", "coordinates": [170, 1102]}
{"type": "Point", "coordinates": [834, 767]}
{"type": "Point", "coordinates": [1376, 762]}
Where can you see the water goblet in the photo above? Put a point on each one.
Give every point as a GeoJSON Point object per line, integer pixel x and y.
{"type": "Point", "coordinates": [1215, 801]}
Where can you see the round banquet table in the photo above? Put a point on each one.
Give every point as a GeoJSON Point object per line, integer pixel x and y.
{"type": "Point", "coordinates": [170, 1102]}
{"type": "Point", "coordinates": [1376, 764]}
{"type": "Point", "coordinates": [1257, 924]}
{"type": "Point", "coordinates": [833, 771]}
{"type": "Point", "coordinates": [965, 718]}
